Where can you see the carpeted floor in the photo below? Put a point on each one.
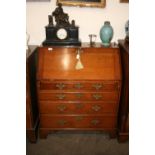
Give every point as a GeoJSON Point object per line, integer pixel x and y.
{"type": "Point", "coordinates": [66, 143]}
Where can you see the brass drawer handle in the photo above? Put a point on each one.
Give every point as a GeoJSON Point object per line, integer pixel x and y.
{"type": "Point", "coordinates": [79, 95]}
{"type": "Point", "coordinates": [62, 122]}
{"type": "Point", "coordinates": [61, 107]}
{"type": "Point", "coordinates": [60, 85]}
{"type": "Point", "coordinates": [95, 122]}
{"type": "Point", "coordinates": [96, 108]}
{"type": "Point", "coordinates": [79, 106]}
{"type": "Point", "coordinates": [97, 86]}
{"type": "Point", "coordinates": [79, 118]}
{"type": "Point", "coordinates": [78, 85]}
{"type": "Point", "coordinates": [97, 96]}
{"type": "Point", "coordinates": [61, 96]}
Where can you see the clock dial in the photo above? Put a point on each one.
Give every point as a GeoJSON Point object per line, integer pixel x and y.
{"type": "Point", "coordinates": [62, 34]}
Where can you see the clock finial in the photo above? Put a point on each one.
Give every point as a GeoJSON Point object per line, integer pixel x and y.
{"type": "Point", "coordinates": [61, 18]}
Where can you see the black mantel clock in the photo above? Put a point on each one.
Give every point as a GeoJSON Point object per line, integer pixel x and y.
{"type": "Point", "coordinates": [62, 33]}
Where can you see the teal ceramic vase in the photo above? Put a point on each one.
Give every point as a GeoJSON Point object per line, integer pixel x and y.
{"type": "Point", "coordinates": [106, 33]}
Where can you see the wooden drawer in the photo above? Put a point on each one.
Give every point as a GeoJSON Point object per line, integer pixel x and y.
{"type": "Point", "coordinates": [72, 96]}
{"type": "Point", "coordinates": [80, 85]}
{"type": "Point", "coordinates": [48, 107]}
{"type": "Point", "coordinates": [77, 121]}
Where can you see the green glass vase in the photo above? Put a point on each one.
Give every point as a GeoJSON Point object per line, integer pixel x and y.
{"type": "Point", "coordinates": [106, 33]}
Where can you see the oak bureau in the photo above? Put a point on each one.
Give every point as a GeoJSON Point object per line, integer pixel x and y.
{"type": "Point", "coordinates": [71, 98]}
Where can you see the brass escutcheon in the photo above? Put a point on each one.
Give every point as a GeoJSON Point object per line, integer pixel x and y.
{"type": "Point", "coordinates": [78, 85]}
{"type": "Point", "coordinates": [96, 108]}
{"type": "Point", "coordinates": [79, 95]}
{"type": "Point", "coordinates": [61, 107]}
{"type": "Point", "coordinates": [60, 85]}
{"type": "Point", "coordinates": [97, 96]}
{"type": "Point", "coordinates": [62, 122]}
{"type": "Point", "coordinates": [79, 105]}
{"type": "Point", "coordinates": [95, 122]}
{"type": "Point", "coordinates": [97, 86]}
{"type": "Point", "coordinates": [79, 118]}
{"type": "Point", "coordinates": [61, 96]}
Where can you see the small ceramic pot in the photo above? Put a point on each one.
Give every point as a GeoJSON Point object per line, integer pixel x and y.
{"type": "Point", "coordinates": [106, 33]}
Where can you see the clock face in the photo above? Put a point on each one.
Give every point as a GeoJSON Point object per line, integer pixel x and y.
{"type": "Point", "coordinates": [61, 34]}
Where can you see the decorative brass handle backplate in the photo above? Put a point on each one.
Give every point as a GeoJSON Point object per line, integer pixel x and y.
{"type": "Point", "coordinates": [78, 85]}
{"type": "Point", "coordinates": [97, 86]}
{"type": "Point", "coordinates": [62, 122]}
{"type": "Point", "coordinates": [79, 105]}
{"type": "Point", "coordinates": [79, 118]}
{"type": "Point", "coordinates": [95, 122]}
{"type": "Point", "coordinates": [97, 96]}
{"type": "Point", "coordinates": [61, 107]}
{"type": "Point", "coordinates": [61, 96]}
{"type": "Point", "coordinates": [79, 95]}
{"type": "Point", "coordinates": [60, 85]}
{"type": "Point", "coordinates": [96, 108]}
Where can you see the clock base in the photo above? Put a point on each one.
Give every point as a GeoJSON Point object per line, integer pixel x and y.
{"type": "Point", "coordinates": [59, 43]}
{"type": "Point", "coordinates": [72, 38]}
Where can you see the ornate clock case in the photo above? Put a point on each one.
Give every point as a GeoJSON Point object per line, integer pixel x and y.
{"type": "Point", "coordinates": [62, 33]}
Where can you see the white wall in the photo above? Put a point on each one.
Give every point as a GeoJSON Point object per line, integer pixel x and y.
{"type": "Point", "coordinates": [90, 20]}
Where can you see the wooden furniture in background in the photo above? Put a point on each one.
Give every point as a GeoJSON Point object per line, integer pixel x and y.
{"type": "Point", "coordinates": [31, 95]}
{"type": "Point", "coordinates": [123, 122]}
{"type": "Point", "coordinates": [84, 99]}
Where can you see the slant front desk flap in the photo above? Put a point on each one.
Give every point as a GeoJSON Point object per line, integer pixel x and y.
{"type": "Point", "coordinates": [60, 63]}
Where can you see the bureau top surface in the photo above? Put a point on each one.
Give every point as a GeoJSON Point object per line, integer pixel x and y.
{"type": "Point", "coordinates": [56, 63]}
